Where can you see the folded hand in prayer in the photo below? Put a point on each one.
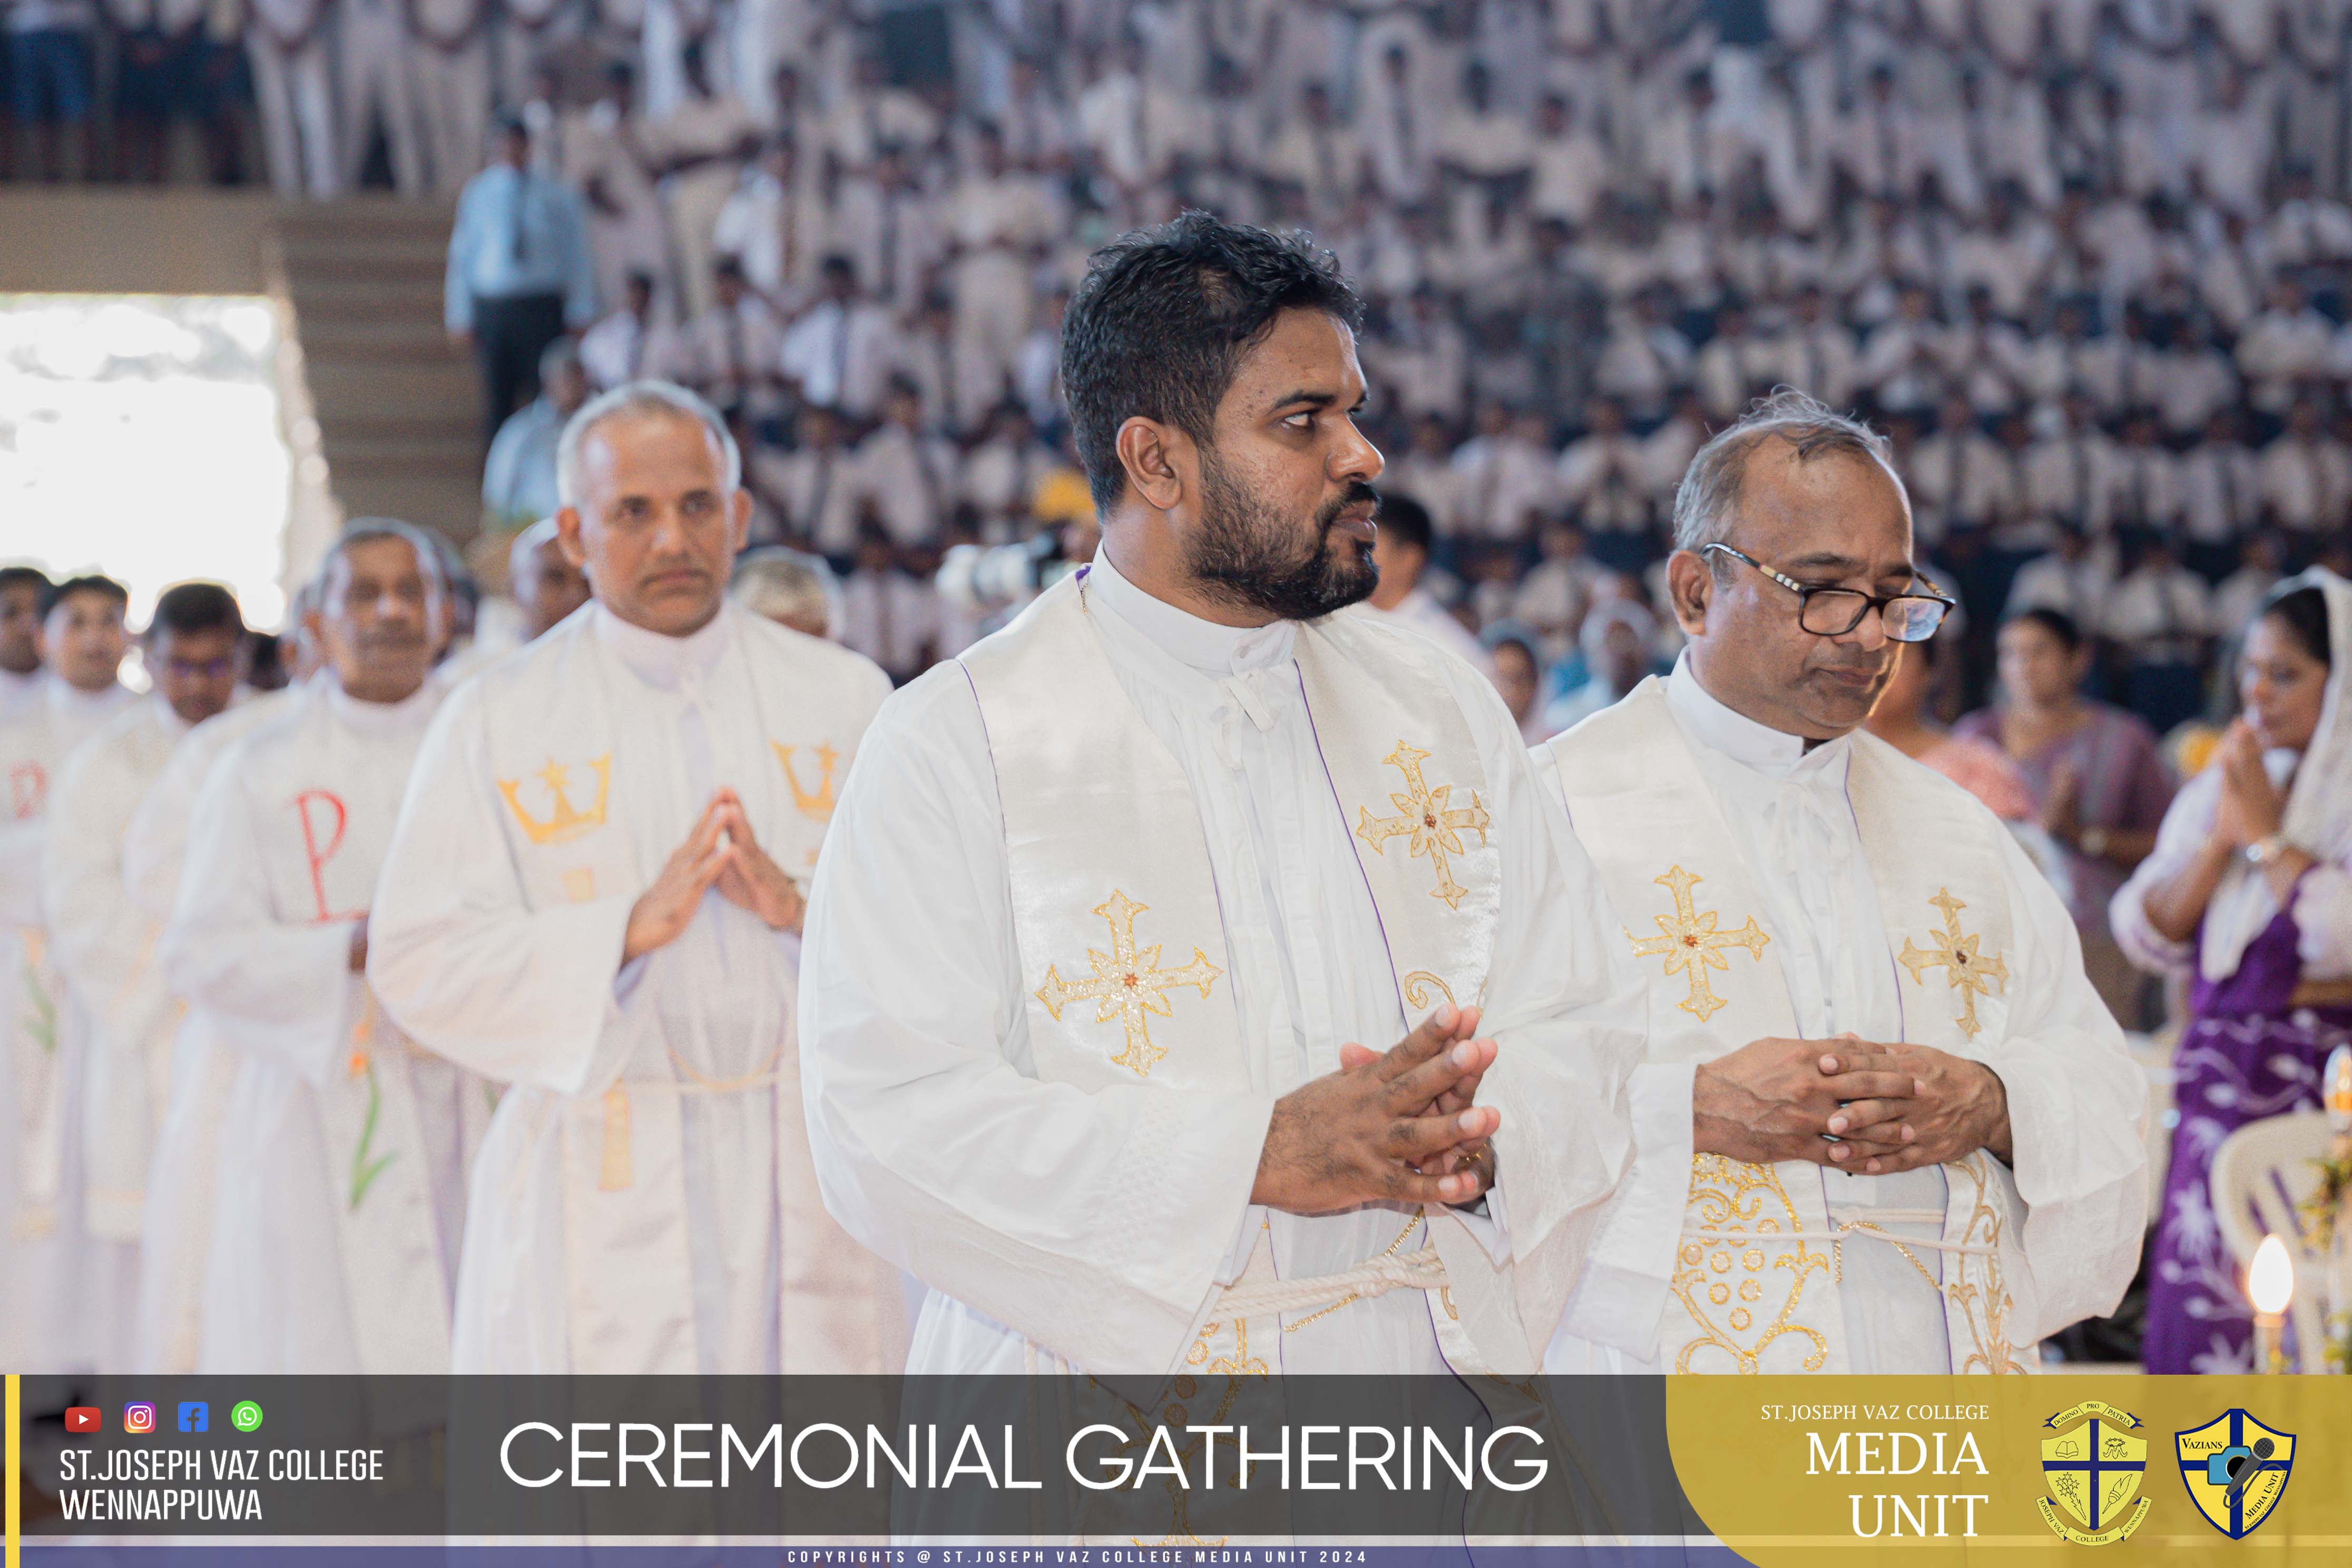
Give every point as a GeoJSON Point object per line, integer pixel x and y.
{"type": "Point", "coordinates": [723, 853]}
{"type": "Point", "coordinates": [1775, 1099]}
{"type": "Point", "coordinates": [1954, 1107]}
{"type": "Point", "coordinates": [1362, 1134]}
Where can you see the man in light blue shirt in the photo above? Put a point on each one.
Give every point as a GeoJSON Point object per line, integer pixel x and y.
{"type": "Point", "coordinates": [519, 273]}
{"type": "Point", "coordinates": [519, 479]}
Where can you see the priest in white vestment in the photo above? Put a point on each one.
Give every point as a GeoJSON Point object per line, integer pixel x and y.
{"type": "Point", "coordinates": [45, 1259]}
{"type": "Point", "coordinates": [593, 896]}
{"type": "Point", "coordinates": [175, 1228]}
{"type": "Point", "coordinates": [1120, 905]}
{"type": "Point", "coordinates": [104, 944]}
{"type": "Point", "coordinates": [1885, 1125]}
{"type": "Point", "coordinates": [343, 1148]}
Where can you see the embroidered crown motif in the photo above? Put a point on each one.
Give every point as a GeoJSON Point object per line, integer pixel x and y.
{"type": "Point", "coordinates": [820, 803]}
{"type": "Point", "coordinates": [565, 822]}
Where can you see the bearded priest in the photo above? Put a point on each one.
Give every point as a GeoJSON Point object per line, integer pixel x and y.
{"type": "Point", "coordinates": [594, 897]}
{"type": "Point", "coordinates": [1194, 976]}
{"type": "Point", "coordinates": [1885, 1125]}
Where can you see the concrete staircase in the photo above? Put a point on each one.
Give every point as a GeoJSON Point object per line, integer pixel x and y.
{"type": "Point", "coordinates": [398, 406]}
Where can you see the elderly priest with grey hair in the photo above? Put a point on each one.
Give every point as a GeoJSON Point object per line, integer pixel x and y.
{"type": "Point", "coordinates": [1135, 954]}
{"type": "Point", "coordinates": [1885, 1125]}
{"type": "Point", "coordinates": [594, 897]}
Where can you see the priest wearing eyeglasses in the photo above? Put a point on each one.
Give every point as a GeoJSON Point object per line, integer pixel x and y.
{"type": "Point", "coordinates": [1885, 1123]}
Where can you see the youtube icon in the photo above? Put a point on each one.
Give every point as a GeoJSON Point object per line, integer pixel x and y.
{"type": "Point", "coordinates": [83, 1418]}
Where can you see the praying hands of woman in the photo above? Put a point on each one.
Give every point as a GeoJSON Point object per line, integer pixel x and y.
{"type": "Point", "coordinates": [2249, 807]}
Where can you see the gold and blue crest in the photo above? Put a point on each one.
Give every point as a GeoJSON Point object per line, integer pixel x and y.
{"type": "Point", "coordinates": [2235, 1469]}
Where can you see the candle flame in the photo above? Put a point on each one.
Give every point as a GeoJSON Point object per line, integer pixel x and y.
{"type": "Point", "coordinates": [2338, 1079]}
{"type": "Point", "coordinates": [2270, 1278]}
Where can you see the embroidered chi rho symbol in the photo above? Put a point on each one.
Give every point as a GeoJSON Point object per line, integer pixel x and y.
{"type": "Point", "coordinates": [1128, 983]}
{"type": "Point", "coordinates": [818, 805]}
{"type": "Point", "coordinates": [1690, 944]}
{"type": "Point", "coordinates": [564, 822]}
{"type": "Point", "coordinates": [1422, 814]}
{"type": "Point", "coordinates": [1970, 972]}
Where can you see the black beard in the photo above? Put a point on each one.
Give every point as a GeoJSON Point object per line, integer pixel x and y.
{"type": "Point", "coordinates": [1245, 556]}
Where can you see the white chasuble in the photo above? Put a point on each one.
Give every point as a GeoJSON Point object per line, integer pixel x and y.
{"type": "Point", "coordinates": [343, 1146]}
{"type": "Point", "coordinates": [644, 1202]}
{"type": "Point", "coordinates": [176, 1226]}
{"type": "Point", "coordinates": [1106, 889]}
{"type": "Point", "coordinates": [1796, 1266]}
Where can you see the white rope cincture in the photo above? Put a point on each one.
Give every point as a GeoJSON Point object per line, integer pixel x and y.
{"type": "Point", "coordinates": [1866, 1227]}
{"type": "Point", "coordinates": [1420, 1270]}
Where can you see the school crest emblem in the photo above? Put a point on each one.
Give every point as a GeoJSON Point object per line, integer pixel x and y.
{"type": "Point", "coordinates": [2093, 1462]}
{"type": "Point", "coordinates": [2235, 1469]}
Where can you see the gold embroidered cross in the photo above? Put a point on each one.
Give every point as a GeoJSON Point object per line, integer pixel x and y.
{"type": "Point", "coordinates": [1971, 974]}
{"type": "Point", "coordinates": [1422, 812]}
{"type": "Point", "coordinates": [1128, 983]}
{"type": "Point", "coordinates": [1690, 944]}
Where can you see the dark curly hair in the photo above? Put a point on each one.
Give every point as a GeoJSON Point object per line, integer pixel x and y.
{"type": "Point", "coordinates": [1163, 319]}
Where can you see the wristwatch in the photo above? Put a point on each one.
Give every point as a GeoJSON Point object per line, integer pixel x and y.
{"type": "Point", "coordinates": [2267, 848]}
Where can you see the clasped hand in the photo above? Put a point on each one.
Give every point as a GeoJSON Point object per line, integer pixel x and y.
{"type": "Point", "coordinates": [1859, 1105]}
{"type": "Point", "coordinates": [1397, 1127]}
{"type": "Point", "coordinates": [722, 852]}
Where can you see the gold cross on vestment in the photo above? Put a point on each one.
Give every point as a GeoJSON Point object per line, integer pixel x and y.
{"type": "Point", "coordinates": [1128, 983]}
{"type": "Point", "coordinates": [1971, 974]}
{"type": "Point", "coordinates": [1436, 832]}
{"type": "Point", "coordinates": [1690, 944]}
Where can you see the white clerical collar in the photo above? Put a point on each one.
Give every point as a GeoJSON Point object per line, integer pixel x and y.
{"type": "Point", "coordinates": [1710, 723]}
{"type": "Point", "coordinates": [1206, 645]}
{"type": "Point", "coordinates": [655, 657]}
{"type": "Point", "coordinates": [410, 713]}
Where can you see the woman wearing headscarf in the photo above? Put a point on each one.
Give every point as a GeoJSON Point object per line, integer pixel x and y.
{"type": "Point", "coordinates": [2248, 892]}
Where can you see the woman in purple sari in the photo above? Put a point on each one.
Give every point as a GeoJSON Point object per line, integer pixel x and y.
{"type": "Point", "coordinates": [2248, 892]}
{"type": "Point", "coordinates": [2100, 786]}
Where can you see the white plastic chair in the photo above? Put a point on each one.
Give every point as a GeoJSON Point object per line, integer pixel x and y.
{"type": "Point", "coordinates": [2267, 1167]}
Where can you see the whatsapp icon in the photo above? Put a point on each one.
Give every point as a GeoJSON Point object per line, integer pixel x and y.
{"type": "Point", "coordinates": [245, 1415]}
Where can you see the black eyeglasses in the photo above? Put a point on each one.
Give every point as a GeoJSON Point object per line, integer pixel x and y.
{"type": "Point", "coordinates": [1832, 612]}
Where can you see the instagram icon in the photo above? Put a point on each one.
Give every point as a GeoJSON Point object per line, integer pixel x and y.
{"type": "Point", "coordinates": [139, 1417]}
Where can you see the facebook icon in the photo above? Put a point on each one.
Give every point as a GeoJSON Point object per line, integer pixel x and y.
{"type": "Point", "coordinates": [194, 1415]}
